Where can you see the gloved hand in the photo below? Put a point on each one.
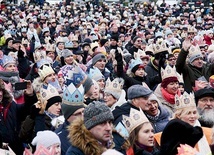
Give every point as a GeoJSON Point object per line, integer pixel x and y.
{"type": "Point", "coordinates": [118, 56]}
{"type": "Point", "coordinates": [34, 111]}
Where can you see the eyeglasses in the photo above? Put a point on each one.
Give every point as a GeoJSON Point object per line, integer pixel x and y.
{"type": "Point", "coordinates": [172, 59]}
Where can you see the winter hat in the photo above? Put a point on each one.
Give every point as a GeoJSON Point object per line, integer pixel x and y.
{"type": "Point", "coordinates": [68, 110]}
{"type": "Point", "coordinates": [51, 95]}
{"type": "Point", "coordinates": [46, 138]}
{"type": "Point", "coordinates": [137, 91]}
{"type": "Point", "coordinates": [98, 57]}
{"type": "Point", "coordinates": [66, 53]}
{"type": "Point", "coordinates": [114, 37]}
{"type": "Point", "coordinates": [16, 41]}
{"type": "Point", "coordinates": [153, 97]}
{"type": "Point", "coordinates": [166, 81]}
{"type": "Point", "coordinates": [96, 113]}
{"type": "Point", "coordinates": [182, 133]}
{"type": "Point", "coordinates": [103, 41]}
{"type": "Point", "coordinates": [205, 92]}
{"type": "Point", "coordinates": [135, 38]}
{"type": "Point", "coordinates": [194, 53]}
{"type": "Point", "coordinates": [87, 84]}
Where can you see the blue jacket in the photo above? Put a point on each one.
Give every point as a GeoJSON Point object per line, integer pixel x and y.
{"type": "Point", "coordinates": [72, 150]}
{"type": "Point", "coordinates": [62, 132]}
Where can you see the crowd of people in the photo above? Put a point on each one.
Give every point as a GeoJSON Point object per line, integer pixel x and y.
{"type": "Point", "coordinates": [90, 78]}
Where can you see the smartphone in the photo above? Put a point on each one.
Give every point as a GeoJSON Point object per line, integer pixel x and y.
{"type": "Point", "coordinates": [20, 85]}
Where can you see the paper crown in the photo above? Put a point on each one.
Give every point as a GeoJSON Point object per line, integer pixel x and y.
{"type": "Point", "coordinates": [149, 48]}
{"type": "Point", "coordinates": [72, 95]}
{"type": "Point", "coordinates": [59, 40]}
{"type": "Point", "coordinates": [48, 92]}
{"type": "Point", "coordinates": [50, 47]}
{"type": "Point", "coordinates": [7, 59]}
{"type": "Point", "coordinates": [122, 130]}
{"type": "Point", "coordinates": [168, 72]}
{"type": "Point", "coordinates": [37, 45]}
{"type": "Point", "coordinates": [134, 62]}
{"type": "Point", "coordinates": [94, 73]}
{"type": "Point", "coordinates": [41, 62]}
{"type": "Point", "coordinates": [8, 35]}
{"type": "Point", "coordinates": [136, 118]}
{"type": "Point", "coordinates": [45, 70]}
{"type": "Point", "coordinates": [140, 54]}
{"type": "Point", "coordinates": [73, 74]}
{"type": "Point", "coordinates": [194, 52]}
{"type": "Point", "coordinates": [191, 29]}
{"type": "Point", "coordinates": [160, 46]}
{"type": "Point", "coordinates": [39, 55]}
{"type": "Point", "coordinates": [69, 44]}
{"type": "Point", "coordinates": [184, 101]}
{"type": "Point", "coordinates": [46, 29]}
{"type": "Point", "coordinates": [25, 42]}
{"type": "Point", "coordinates": [180, 78]}
{"type": "Point", "coordinates": [114, 86]}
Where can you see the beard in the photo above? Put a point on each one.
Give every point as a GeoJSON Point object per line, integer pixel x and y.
{"type": "Point", "coordinates": [206, 116]}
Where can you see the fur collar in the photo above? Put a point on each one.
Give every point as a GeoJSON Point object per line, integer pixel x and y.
{"type": "Point", "coordinates": [82, 138]}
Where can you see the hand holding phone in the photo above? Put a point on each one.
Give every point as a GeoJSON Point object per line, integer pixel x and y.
{"type": "Point", "coordinates": [20, 85]}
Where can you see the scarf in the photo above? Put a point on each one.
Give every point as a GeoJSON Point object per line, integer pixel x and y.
{"type": "Point", "coordinates": [169, 97]}
{"type": "Point", "coordinates": [144, 147]}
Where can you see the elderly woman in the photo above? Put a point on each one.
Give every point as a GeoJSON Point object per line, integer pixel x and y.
{"type": "Point", "coordinates": [185, 110]}
{"type": "Point", "coordinates": [168, 88]}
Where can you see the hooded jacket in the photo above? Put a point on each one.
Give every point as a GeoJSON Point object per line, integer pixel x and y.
{"type": "Point", "coordinates": [83, 142]}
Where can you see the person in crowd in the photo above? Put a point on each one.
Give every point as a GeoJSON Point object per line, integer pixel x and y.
{"type": "Point", "coordinates": [195, 69]}
{"type": "Point", "coordinates": [114, 95]}
{"type": "Point", "coordinates": [204, 99]}
{"type": "Point", "coordinates": [97, 128]}
{"type": "Point", "coordinates": [141, 134]}
{"type": "Point", "coordinates": [72, 108]}
{"type": "Point", "coordinates": [157, 115]}
{"type": "Point", "coordinates": [154, 66]}
{"type": "Point", "coordinates": [168, 88]}
{"type": "Point", "coordinates": [49, 140]}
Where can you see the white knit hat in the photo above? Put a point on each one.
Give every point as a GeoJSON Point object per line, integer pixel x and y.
{"type": "Point", "coordinates": [46, 139]}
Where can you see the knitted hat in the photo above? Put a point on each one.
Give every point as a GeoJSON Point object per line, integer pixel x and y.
{"type": "Point", "coordinates": [98, 57]}
{"type": "Point", "coordinates": [46, 138]}
{"type": "Point", "coordinates": [137, 91]}
{"type": "Point", "coordinates": [166, 81]}
{"type": "Point", "coordinates": [103, 41]}
{"type": "Point", "coordinates": [68, 110]}
{"type": "Point", "coordinates": [66, 53]}
{"type": "Point", "coordinates": [135, 38]}
{"type": "Point", "coordinates": [96, 113]}
{"type": "Point", "coordinates": [52, 101]}
{"type": "Point", "coordinates": [87, 84]}
{"type": "Point", "coordinates": [135, 68]}
{"type": "Point", "coordinates": [205, 92]}
{"type": "Point", "coordinates": [194, 53]}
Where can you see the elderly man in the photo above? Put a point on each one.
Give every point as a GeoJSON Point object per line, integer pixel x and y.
{"type": "Point", "coordinates": [205, 105]}
{"type": "Point", "coordinates": [93, 134]}
{"type": "Point", "coordinates": [138, 97]}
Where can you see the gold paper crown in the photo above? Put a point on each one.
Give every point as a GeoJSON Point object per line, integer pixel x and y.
{"type": "Point", "coordinates": [45, 70]}
{"type": "Point", "coordinates": [114, 86]}
{"type": "Point", "coordinates": [38, 55]}
{"type": "Point", "coordinates": [140, 54]}
{"type": "Point", "coordinates": [184, 101]}
{"type": "Point", "coordinates": [180, 78]}
{"type": "Point", "coordinates": [49, 92]}
{"type": "Point", "coordinates": [135, 119]}
{"type": "Point", "coordinates": [149, 48]}
{"type": "Point", "coordinates": [191, 29]}
{"type": "Point", "coordinates": [50, 47]}
{"type": "Point", "coordinates": [160, 46]}
{"type": "Point", "coordinates": [168, 72]}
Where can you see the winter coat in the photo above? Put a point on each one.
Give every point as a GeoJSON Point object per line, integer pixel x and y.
{"type": "Point", "coordinates": [62, 132]}
{"type": "Point", "coordinates": [122, 110]}
{"type": "Point", "coordinates": [83, 144]}
{"type": "Point", "coordinates": [191, 73]}
{"type": "Point", "coordinates": [169, 107]}
{"type": "Point", "coordinates": [153, 77]}
{"type": "Point", "coordinates": [160, 121]}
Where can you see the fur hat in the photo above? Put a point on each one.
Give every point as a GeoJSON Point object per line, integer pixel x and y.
{"type": "Point", "coordinates": [205, 92]}
{"type": "Point", "coordinates": [96, 113]}
{"type": "Point", "coordinates": [182, 133]}
{"type": "Point", "coordinates": [46, 138]}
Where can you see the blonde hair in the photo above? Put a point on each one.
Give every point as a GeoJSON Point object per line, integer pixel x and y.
{"type": "Point", "coordinates": [183, 111]}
